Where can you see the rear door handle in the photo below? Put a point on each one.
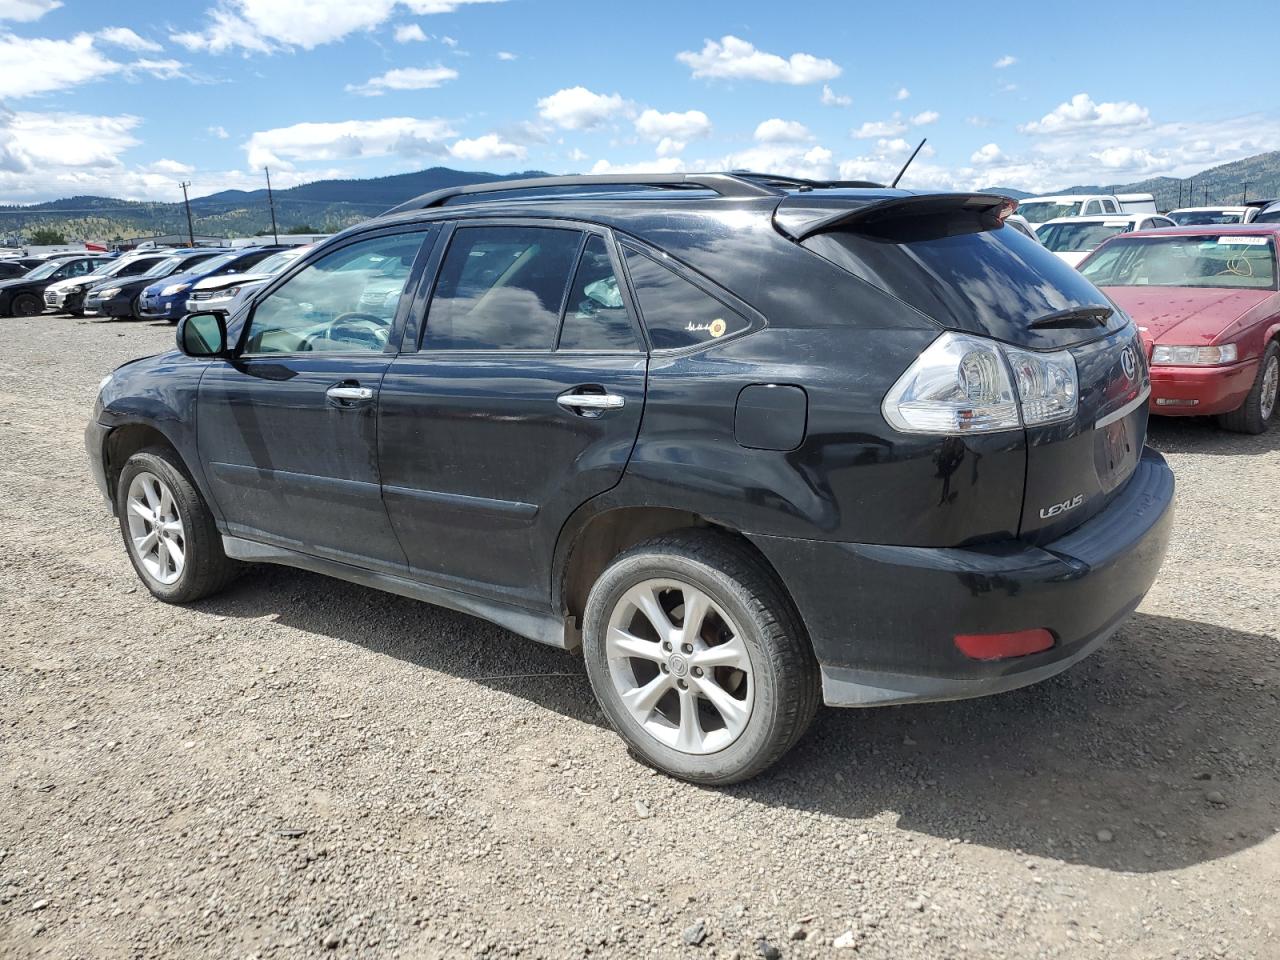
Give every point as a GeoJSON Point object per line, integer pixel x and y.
{"type": "Point", "coordinates": [345, 393]}
{"type": "Point", "coordinates": [579, 402]}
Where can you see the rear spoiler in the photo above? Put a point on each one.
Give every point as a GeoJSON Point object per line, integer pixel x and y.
{"type": "Point", "coordinates": [801, 216]}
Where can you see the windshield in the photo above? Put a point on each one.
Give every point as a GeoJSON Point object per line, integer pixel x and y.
{"type": "Point", "coordinates": [1207, 218]}
{"type": "Point", "coordinates": [44, 270]}
{"type": "Point", "coordinates": [1040, 211]}
{"type": "Point", "coordinates": [1214, 261]}
{"type": "Point", "coordinates": [276, 262]}
{"type": "Point", "coordinates": [165, 267]}
{"type": "Point", "coordinates": [215, 263]}
{"type": "Point", "coordinates": [1076, 237]}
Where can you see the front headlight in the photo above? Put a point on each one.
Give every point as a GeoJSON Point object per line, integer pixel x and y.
{"type": "Point", "coordinates": [108, 293]}
{"type": "Point", "coordinates": [174, 288]}
{"type": "Point", "coordinates": [1171, 356]}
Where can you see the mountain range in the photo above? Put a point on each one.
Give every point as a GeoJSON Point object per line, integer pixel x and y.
{"type": "Point", "coordinates": [328, 205]}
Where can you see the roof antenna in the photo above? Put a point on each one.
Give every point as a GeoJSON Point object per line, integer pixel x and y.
{"type": "Point", "coordinates": [908, 163]}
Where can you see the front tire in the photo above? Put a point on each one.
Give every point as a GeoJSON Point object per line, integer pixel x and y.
{"type": "Point", "coordinates": [169, 533]}
{"type": "Point", "coordinates": [698, 658]}
{"type": "Point", "coordinates": [1255, 414]}
{"type": "Point", "coordinates": [26, 305]}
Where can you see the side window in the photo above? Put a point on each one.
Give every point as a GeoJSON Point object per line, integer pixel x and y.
{"type": "Point", "coordinates": [501, 288]}
{"type": "Point", "coordinates": [1091, 208]}
{"type": "Point", "coordinates": [346, 301]}
{"type": "Point", "coordinates": [134, 267]}
{"type": "Point", "coordinates": [595, 318]}
{"type": "Point", "coordinates": [1109, 206]}
{"type": "Point", "coordinates": [675, 312]}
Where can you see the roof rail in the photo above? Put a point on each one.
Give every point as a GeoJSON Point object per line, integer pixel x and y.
{"type": "Point", "coordinates": [725, 184]}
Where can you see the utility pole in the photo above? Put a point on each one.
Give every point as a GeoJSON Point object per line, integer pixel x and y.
{"type": "Point", "coordinates": [1244, 195]}
{"type": "Point", "coordinates": [271, 201]}
{"type": "Point", "coordinates": [191, 227]}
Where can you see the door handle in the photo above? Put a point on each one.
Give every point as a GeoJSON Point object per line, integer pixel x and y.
{"type": "Point", "coordinates": [591, 401]}
{"type": "Point", "coordinates": [349, 394]}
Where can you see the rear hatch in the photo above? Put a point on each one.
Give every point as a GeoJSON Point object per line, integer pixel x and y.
{"type": "Point", "coordinates": [948, 256]}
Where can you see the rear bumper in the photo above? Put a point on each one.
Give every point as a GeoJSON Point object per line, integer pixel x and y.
{"type": "Point", "coordinates": [883, 619]}
{"type": "Point", "coordinates": [1213, 389]}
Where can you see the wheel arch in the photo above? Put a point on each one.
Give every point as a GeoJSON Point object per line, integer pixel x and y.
{"type": "Point", "coordinates": [127, 439]}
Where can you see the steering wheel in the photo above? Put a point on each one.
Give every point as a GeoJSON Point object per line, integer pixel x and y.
{"type": "Point", "coordinates": [358, 326]}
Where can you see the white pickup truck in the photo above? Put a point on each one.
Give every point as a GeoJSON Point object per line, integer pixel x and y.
{"type": "Point", "coordinates": [1040, 210]}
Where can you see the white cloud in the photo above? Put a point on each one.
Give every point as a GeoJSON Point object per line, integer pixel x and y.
{"type": "Point", "coordinates": [346, 139]}
{"type": "Point", "coordinates": [1080, 112]}
{"type": "Point", "coordinates": [689, 125]}
{"type": "Point", "coordinates": [124, 37]}
{"type": "Point", "coordinates": [925, 117]}
{"type": "Point", "coordinates": [404, 78]}
{"type": "Point", "coordinates": [1008, 60]}
{"type": "Point", "coordinates": [263, 26]}
{"type": "Point", "coordinates": [667, 147]}
{"type": "Point", "coordinates": [506, 55]}
{"type": "Point", "coordinates": [170, 166]}
{"type": "Point", "coordinates": [577, 156]}
{"type": "Point", "coordinates": [25, 11]}
{"type": "Point", "coordinates": [219, 132]}
{"type": "Point", "coordinates": [776, 130]}
{"type": "Point", "coordinates": [161, 69]}
{"type": "Point", "coordinates": [577, 108]}
{"type": "Point", "coordinates": [789, 159]}
{"type": "Point", "coordinates": [902, 94]}
{"type": "Point", "coordinates": [987, 153]}
{"type": "Point", "coordinates": [410, 33]}
{"type": "Point", "coordinates": [879, 128]}
{"type": "Point", "coordinates": [488, 147]}
{"type": "Point", "coordinates": [660, 165]}
{"type": "Point", "coordinates": [36, 65]}
{"type": "Point", "coordinates": [733, 59]}
{"type": "Point", "coordinates": [894, 145]}
{"type": "Point", "coordinates": [975, 120]}
{"type": "Point", "coordinates": [449, 41]}
{"type": "Point", "coordinates": [832, 99]}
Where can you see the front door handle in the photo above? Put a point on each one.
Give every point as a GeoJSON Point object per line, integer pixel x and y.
{"type": "Point", "coordinates": [590, 401]}
{"type": "Point", "coordinates": [345, 393]}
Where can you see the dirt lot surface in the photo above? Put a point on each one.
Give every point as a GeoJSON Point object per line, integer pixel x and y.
{"type": "Point", "coordinates": [302, 768]}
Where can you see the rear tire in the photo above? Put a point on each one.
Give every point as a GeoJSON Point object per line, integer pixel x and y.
{"type": "Point", "coordinates": [168, 530]}
{"type": "Point", "coordinates": [26, 305]}
{"type": "Point", "coordinates": [725, 699]}
{"type": "Point", "coordinates": [1259, 407]}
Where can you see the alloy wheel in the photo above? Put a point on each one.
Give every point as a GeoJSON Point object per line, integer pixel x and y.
{"type": "Point", "coordinates": [156, 535]}
{"type": "Point", "coordinates": [1270, 387]}
{"type": "Point", "coordinates": [680, 666]}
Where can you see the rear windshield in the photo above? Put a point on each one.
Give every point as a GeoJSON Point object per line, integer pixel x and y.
{"type": "Point", "coordinates": [1203, 218]}
{"type": "Point", "coordinates": [1075, 237]}
{"type": "Point", "coordinates": [1041, 211]}
{"type": "Point", "coordinates": [1214, 261]}
{"type": "Point", "coordinates": [992, 281]}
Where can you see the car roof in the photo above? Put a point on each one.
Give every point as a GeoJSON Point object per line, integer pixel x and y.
{"type": "Point", "coordinates": [1212, 230]}
{"type": "Point", "coordinates": [1221, 206]}
{"type": "Point", "coordinates": [1064, 196]}
{"type": "Point", "coordinates": [1102, 218]}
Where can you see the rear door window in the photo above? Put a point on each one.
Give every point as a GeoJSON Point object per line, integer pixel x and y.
{"type": "Point", "coordinates": [595, 316]}
{"type": "Point", "coordinates": [676, 312]}
{"type": "Point", "coordinates": [501, 288]}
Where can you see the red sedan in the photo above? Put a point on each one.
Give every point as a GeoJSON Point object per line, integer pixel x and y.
{"type": "Point", "coordinates": [1206, 303]}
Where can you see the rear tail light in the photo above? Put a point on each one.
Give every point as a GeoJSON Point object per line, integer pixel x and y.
{"type": "Point", "coordinates": [1001, 646]}
{"type": "Point", "coordinates": [967, 384]}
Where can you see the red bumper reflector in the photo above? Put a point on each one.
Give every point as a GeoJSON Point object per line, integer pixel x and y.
{"type": "Point", "coordinates": [999, 646]}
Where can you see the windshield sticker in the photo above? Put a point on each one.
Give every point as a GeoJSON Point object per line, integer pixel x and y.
{"type": "Point", "coordinates": [1243, 241]}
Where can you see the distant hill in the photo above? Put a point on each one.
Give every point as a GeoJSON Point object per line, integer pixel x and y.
{"type": "Point", "coordinates": [332, 204]}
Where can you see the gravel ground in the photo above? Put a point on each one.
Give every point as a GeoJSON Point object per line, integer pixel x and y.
{"type": "Point", "coordinates": [302, 767]}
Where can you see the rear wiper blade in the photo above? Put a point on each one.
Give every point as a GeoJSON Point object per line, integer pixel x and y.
{"type": "Point", "coordinates": [1094, 314]}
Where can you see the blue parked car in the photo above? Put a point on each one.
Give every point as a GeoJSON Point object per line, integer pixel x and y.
{"type": "Point", "coordinates": [167, 299]}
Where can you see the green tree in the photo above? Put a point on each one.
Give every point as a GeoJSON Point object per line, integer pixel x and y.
{"type": "Point", "coordinates": [302, 228]}
{"type": "Point", "coordinates": [46, 237]}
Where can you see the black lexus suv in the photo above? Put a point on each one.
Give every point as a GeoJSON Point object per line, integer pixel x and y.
{"type": "Point", "coordinates": [748, 442]}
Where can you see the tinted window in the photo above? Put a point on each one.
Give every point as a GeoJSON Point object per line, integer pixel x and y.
{"type": "Point", "coordinates": [595, 318]}
{"type": "Point", "coordinates": [501, 288]}
{"type": "Point", "coordinates": [1075, 237]}
{"type": "Point", "coordinates": [675, 312]}
{"type": "Point", "coordinates": [345, 301]}
{"type": "Point", "coordinates": [1108, 206]}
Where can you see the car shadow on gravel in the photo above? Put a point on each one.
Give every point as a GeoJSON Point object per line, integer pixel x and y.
{"type": "Point", "coordinates": [1203, 435]}
{"type": "Point", "coordinates": [1158, 752]}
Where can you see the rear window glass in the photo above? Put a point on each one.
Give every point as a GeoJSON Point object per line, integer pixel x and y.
{"type": "Point", "coordinates": [1075, 237]}
{"type": "Point", "coordinates": [1214, 261]}
{"type": "Point", "coordinates": [996, 278]}
{"type": "Point", "coordinates": [595, 318]}
{"type": "Point", "coordinates": [676, 312]}
{"type": "Point", "coordinates": [1040, 211]}
{"type": "Point", "coordinates": [1203, 218]}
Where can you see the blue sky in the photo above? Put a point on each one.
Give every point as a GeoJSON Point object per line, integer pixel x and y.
{"type": "Point", "coordinates": [130, 98]}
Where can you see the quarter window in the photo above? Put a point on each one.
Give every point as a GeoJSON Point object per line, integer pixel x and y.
{"type": "Point", "coordinates": [595, 317]}
{"type": "Point", "coordinates": [676, 312]}
{"type": "Point", "coordinates": [345, 302]}
{"type": "Point", "coordinates": [501, 288]}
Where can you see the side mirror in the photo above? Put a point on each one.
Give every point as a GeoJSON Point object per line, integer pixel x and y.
{"type": "Point", "coordinates": [203, 334]}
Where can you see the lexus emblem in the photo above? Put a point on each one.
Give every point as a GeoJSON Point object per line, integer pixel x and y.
{"type": "Point", "coordinates": [1129, 362]}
